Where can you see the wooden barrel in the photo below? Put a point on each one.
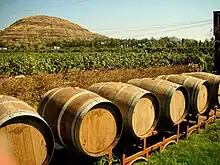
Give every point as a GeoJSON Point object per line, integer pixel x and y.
{"type": "Point", "coordinates": [199, 91]}
{"type": "Point", "coordinates": [214, 81]}
{"type": "Point", "coordinates": [174, 98]}
{"type": "Point", "coordinates": [24, 133]}
{"type": "Point", "coordinates": [139, 108]}
{"type": "Point", "coordinates": [82, 120]}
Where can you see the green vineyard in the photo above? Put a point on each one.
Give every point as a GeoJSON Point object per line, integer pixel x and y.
{"type": "Point", "coordinates": [117, 54]}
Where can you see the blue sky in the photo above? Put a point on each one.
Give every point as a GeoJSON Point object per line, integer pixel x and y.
{"type": "Point", "coordinates": [121, 18]}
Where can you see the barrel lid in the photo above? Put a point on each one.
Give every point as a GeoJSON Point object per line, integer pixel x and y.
{"type": "Point", "coordinates": [143, 116]}
{"type": "Point", "coordinates": [18, 117]}
{"type": "Point", "coordinates": [177, 106]}
{"type": "Point", "coordinates": [202, 99]}
{"type": "Point", "coordinates": [98, 130]}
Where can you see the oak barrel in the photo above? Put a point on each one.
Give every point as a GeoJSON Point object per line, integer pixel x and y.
{"type": "Point", "coordinates": [214, 81]}
{"type": "Point", "coordinates": [199, 91]}
{"type": "Point", "coordinates": [24, 134]}
{"type": "Point", "coordinates": [82, 120]}
{"type": "Point", "coordinates": [139, 108]}
{"type": "Point", "coordinates": [174, 98]}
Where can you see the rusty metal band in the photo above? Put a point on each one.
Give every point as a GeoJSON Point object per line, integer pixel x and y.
{"type": "Point", "coordinates": [141, 80]}
{"type": "Point", "coordinates": [15, 101]}
{"type": "Point", "coordinates": [131, 103]}
{"type": "Point", "coordinates": [83, 112]}
{"type": "Point", "coordinates": [63, 111]}
{"type": "Point", "coordinates": [117, 94]}
{"type": "Point", "coordinates": [49, 99]}
{"type": "Point", "coordinates": [168, 94]}
{"type": "Point", "coordinates": [47, 93]}
{"type": "Point", "coordinates": [76, 118]}
{"type": "Point", "coordinates": [19, 113]}
{"type": "Point", "coordinates": [156, 86]}
{"type": "Point", "coordinates": [194, 92]}
{"type": "Point", "coordinates": [97, 91]}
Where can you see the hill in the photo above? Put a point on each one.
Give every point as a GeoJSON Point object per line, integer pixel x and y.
{"type": "Point", "coordinates": [174, 39]}
{"type": "Point", "coordinates": [41, 29]}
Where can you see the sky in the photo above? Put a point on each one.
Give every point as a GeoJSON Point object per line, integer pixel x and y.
{"type": "Point", "coordinates": [122, 18]}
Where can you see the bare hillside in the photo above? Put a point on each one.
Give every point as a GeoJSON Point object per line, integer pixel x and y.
{"type": "Point", "coordinates": [40, 29]}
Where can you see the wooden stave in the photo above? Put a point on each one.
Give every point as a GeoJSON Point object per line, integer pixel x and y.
{"type": "Point", "coordinates": [71, 136]}
{"type": "Point", "coordinates": [127, 121]}
{"type": "Point", "coordinates": [193, 90]}
{"type": "Point", "coordinates": [164, 99]}
{"type": "Point", "coordinates": [214, 80]}
{"type": "Point", "coordinates": [46, 102]}
{"type": "Point", "coordinates": [69, 144]}
{"type": "Point", "coordinates": [157, 112]}
{"type": "Point", "coordinates": [113, 144]}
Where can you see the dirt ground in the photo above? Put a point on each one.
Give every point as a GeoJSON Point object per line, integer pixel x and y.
{"type": "Point", "coordinates": [30, 88]}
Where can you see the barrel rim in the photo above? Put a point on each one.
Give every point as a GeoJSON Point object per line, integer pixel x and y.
{"type": "Point", "coordinates": [119, 124]}
{"type": "Point", "coordinates": [56, 91]}
{"type": "Point", "coordinates": [172, 87]}
{"type": "Point", "coordinates": [62, 111]}
{"type": "Point", "coordinates": [157, 109]}
{"type": "Point", "coordinates": [194, 92]}
{"type": "Point", "coordinates": [185, 92]}
{"type": "Point", "coordinates": [212, 77]}
{"type": "Point", "coordinates": [214, 84]}
{"type": "Point", "coordinates": [43, 97]}
{"type": "Point", "coordinates": [140, 92]}
{"type": "Point", "coordinates": [10, 119]}
{"type": "Point", "coordinates": [207, 85]}
{"type": "Point", "coordinates": [73, 125]}
{"type": "Point", "coordinates": [217, 88]}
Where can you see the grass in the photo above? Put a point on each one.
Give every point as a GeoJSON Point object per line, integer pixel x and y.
{"type": "Point", "coordinates": [199, 149]}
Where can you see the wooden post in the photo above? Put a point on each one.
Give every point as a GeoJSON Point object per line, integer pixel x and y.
{"type": "Point", "coordinates": [216, 29]}
{"type": "Point", "coordinates": [110, 158]}
{"type": "Point", "coordinates": [178, 133]}
{"type": "Point", "coordinates": [197, 122]}
{"type": "Point", "coordinates": [187, 127]}
{"type": "Point", "coordinates": [147, 155]}
{"type": "Point", "coordinates": [161, 146]}
{"type": "Point", "coordinates": [145, 144]}
{"type": "Point", "coordinates": [123, 159]}
{"type": "Point", "coordinates": [215, 111]}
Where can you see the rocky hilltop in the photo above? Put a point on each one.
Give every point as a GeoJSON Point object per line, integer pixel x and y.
{"type": "Point", "coordinates": [41, 29]}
